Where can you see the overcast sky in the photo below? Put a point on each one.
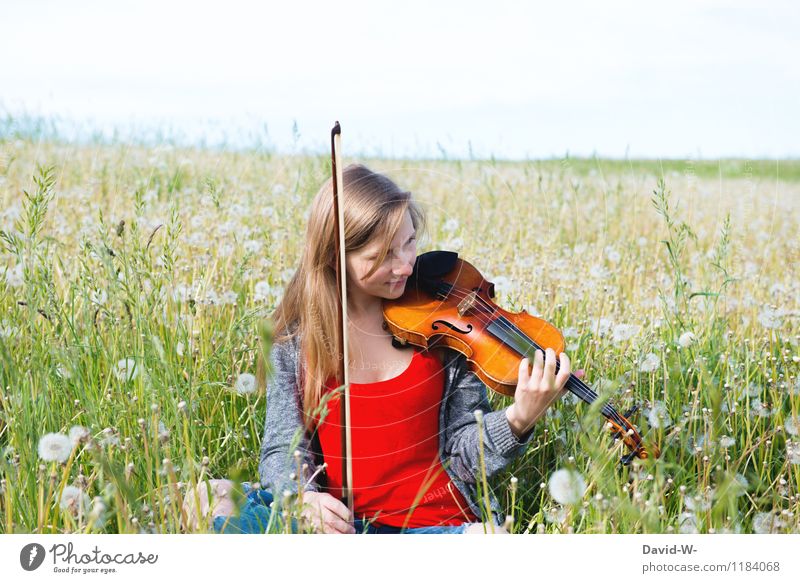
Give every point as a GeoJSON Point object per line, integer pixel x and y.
{"type": "Point", "coordinates": [513, 79]}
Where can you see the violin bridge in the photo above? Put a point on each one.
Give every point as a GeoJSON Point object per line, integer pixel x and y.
{"type": "Point", "coordinates": [467, 303]}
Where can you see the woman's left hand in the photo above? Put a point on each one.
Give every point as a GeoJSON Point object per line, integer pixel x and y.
{"type": "Point", "coordinates": [537, 390]}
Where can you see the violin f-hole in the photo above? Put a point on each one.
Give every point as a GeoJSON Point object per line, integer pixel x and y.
{"type": "Point", "coordinates": [451, 326]}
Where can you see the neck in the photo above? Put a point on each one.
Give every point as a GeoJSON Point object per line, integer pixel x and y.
{"type": "Point", "coordinates": [369, 309]}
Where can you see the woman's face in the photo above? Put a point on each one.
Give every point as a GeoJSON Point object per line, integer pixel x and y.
{"type": "Point", "coordinates": [397, 266]}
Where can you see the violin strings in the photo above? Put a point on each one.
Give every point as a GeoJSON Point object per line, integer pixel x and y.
{"type": "Point", "coordinates": [584, 391]}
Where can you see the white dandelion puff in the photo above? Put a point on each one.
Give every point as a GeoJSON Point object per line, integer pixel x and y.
{"type": "Point", "coordinates": [245, 384]}
{"type": "Point", "coordinates": [97, 514]}
{"type": "Point", "coordinates": [792, 425]}
{"type": "Point", "coordinates": [566, 486]}
{"type": "Point", "coordinates": [602, 326]}
{"type": "Point", "coordinates": [649, 363]}
{"type": "Point", "coordinates": [770, 318]}
{"type": "Point", "coordinates": [450, 225]}
{"type": "Point", "coordinates": [502, 285]}
{"type": "Point", "coordinates": [686, 339]}
{"type": "Point", "coordinates": [229, 298]}
{"type": "Point", "coordinates": [658, 417]}
{"type": "Point", "coordinates": [624, 332]}
{"type": "Point", "coordinates": [556, 515]}
{"type": "Point", "coordinates": [55, 447]}
{"type": "Point", "coordinates": [261, 291]}
{"type": "Point", "coordinates": [612, 254]}
{"type": "Point", "coordinates": [78, 433]}
{"type": "Point", "coordinates": [687, 523]}
{"type": "Point", "coordinates": [163, 432]}
{"type": "Point", "coordinates": [74, 500]}
{"type": "Point", "coordinates": [767, 523]}
{"type": "Point", "coordinates": [793, 452]}
{"type": "Point", "coordinates": [126, 370]}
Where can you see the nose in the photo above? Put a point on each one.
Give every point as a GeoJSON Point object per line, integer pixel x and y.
{"type": "Point", "coordinates": [405, 270]}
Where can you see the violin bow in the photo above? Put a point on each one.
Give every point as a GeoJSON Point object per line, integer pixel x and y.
{"type": "Point", "coordinates": [341, 329]}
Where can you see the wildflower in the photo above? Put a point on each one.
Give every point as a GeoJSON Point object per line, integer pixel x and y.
{"type": "Point", "coordinates": [252, 246]}
{"type": "Point", "coordinates": [55, 447]}
{"type": "Point", "coordinates": [770, 318]}
{"type": "Point", "coordinates": [77, 434]}
{"type": "Point", "coordinates": [450, 225]}
{"type": "Point", "coordinates": [97, 514]}
{"type": "Point", "coordinates": [567, 486]}
{"type": "Point", "coordinates": [726, 441]}
{"type": "Point", "coordinates": [230, 298]}
{"type": "Point", "coordinates": [658, 417]}
{"type": "Point", "coordinates": [570, 332]}
{"type": "Point", "coordinates": [612, 254]}
{"type": "Point", "coordinates": [7, 330]}
{"type": "Point", "coordinates": [262, 290]}
{"type": "Point", "coordinates": [742, 483]}
{"type": "Point", "coordinates": [126, 370]}
{"type": "Point", "coordinates": [245, 384]}
{"type": "Point", "coordinates": [686, 339]}
{"type": "Point", "coordinates": [163, 432]}
{"type": "Point", "coordinates": [687, 523]}
{"type": "Point", "coordinates": [751, 390]}
{"type": "Point", "coordinates": [793, 452]}
{"type": "Point", "coordinates": [650, 363]}
{"type": "Point", "coordinates": [556, 515]}
{"type": "Point", "coordinates": [699, 502]}
{"type": "Point", "coordinates": [792, 425]}
{"type": "Point", "coordinates": [602, 326]}
{"type": "Point", "coordinates": [767, 523]}
{"type": "Point", "coordinates": [598, 272]}
{"type": "Point", "coordinates": [110, 438]}
{"type": "Point", "coordinates": [14, 276]}
{"type": "Point", "coordinates": [759, 409]}
{"type": "Point", "coordinates": [98, 297]}
{"type": "Point", "coordinates": [624, 332]}
{"type": "Point", "coordinates": [74, 500]}
{"type": "Point", "coordinates": [502, 285]}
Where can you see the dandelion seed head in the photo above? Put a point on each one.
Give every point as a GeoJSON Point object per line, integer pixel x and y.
{"type": "Point", "coordinates": [74, 500]}
{"type": "Point", "coordinates": [55, 447]}
{"type": "Point", "coordinates": [650, 363]}
{"type": "Point", "coordinates": [78, 433]}
{"type": "Point", "coordinates": [245, 383]}
{"type": "Point", "coordinates": [126, 370]}
{"type": "Point", "coordinates": [658, 416]}
{"type": "Point", "coordinates": [567, 486]}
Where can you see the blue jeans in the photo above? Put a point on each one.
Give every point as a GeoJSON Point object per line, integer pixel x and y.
{"type": "Point", "coordinates": [256, 517]}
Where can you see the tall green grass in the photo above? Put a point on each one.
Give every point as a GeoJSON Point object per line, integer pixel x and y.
{"type": "Point", "coordinates": [133, 281]}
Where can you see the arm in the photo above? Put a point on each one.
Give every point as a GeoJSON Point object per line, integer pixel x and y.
{"type": "Point", "coordinates": [500, 444]}
{"type": "Point", "coordinates": [283, 429]}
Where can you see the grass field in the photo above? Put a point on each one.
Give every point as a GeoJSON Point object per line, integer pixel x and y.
{"type": "Point", "coordinates": [133, 281]}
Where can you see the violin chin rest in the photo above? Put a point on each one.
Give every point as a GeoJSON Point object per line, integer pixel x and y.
{"type": "Point", "coordinates": [433, 265]}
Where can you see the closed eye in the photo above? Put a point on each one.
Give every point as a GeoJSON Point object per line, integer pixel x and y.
{"type": "Point", "coordinates": [411, 238]}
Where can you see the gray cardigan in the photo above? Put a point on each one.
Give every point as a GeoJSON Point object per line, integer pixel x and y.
{"type": "Point", "coordinates": [463, 393]}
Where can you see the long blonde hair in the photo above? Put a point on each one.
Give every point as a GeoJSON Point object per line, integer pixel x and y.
{"type": "Point", "coordinates": [374, 210]}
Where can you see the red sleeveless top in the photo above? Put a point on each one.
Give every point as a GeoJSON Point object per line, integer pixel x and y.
{"type": "Point", "coordinates": [395, 445]}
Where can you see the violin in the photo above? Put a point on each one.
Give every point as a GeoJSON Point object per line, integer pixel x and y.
{"type": "Point", "coordinates": [447, 302]}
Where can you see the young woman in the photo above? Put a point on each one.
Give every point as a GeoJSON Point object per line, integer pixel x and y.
{"type": "Point", "coordinates": [414, 433]}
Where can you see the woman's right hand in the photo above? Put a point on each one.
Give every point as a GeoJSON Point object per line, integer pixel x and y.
{"type": "Point", "coordinates": [326, 513]}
